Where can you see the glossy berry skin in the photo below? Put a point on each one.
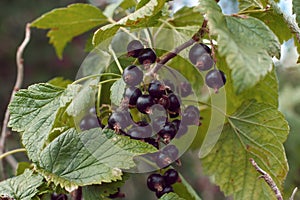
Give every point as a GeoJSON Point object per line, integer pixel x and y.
{"type": "Point", "coordinates": [191, 115]}
{"type": "Point", "coordinates": [156, 182]}
{"type": "Point", "coordinates": [171, 176]}
{"type": "Point", "coordinates": [147, 56]}
{"type": "Point", "coordinates": [144, 103]}
{"type": "Point", "coordinates": [156, 89]}
{"type": "Point", "coordinates": [134, 48]}
{"type": "Point", "coordinates": [174, 103]}
{"type": "Point", "coordinates": [168, 132]}
{"type": "Point", "coordinates": [215, 79]}
{"type": "Point", "coordinates": [132, 94]}
{"type": "Point", "coordinates": [204, 62]}
{"type": "Point", "coordinates": [166, 190]}
{"type": "Point", "coordinates": [198, 50]}
{"type": "Point", "coordinates": [132, 75]}
{"type": "Point", "coordinates": [119, 120]}
{"type": "Point", "coordinates": [89, 122]}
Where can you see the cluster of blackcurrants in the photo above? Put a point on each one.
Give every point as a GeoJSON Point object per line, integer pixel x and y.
{"type": "Point", "coordinates": [162, 184]}
{"type": "Point", "coordinates": [200, 56]}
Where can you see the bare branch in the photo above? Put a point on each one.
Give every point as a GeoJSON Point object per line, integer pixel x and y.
{"type": "Point", "coordinates": [17, 86]}
{"type": "Point", "coordinates": [268, 179]}
{"type": "Point", "coordinates": [293, 194]}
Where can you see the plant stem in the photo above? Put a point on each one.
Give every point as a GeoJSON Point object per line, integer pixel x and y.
{"type": "Point", "coordinates": [94, 76]}
{"type": "Point", "coordinates": [116, 59]}
{"type": "Point", "coordinates": [293, 194]}
{"type": "Point", "coordinates": [12, 152]}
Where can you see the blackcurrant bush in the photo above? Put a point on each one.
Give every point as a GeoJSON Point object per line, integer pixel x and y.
{"type": "Point", "coordinates": [166, 190]}
{"type": "Point", "coordinates": [132, 94]}
{"type": "Point", "coordinates": [168, 132]}
{"type": "Point", "coordinates": [89, 122]}
{"type": "Point", "coordinates": [156, 182]}
{"type": "Point", "coordinates": [198, 50]}
{"type": "Point", "coordinates": [171, 176]}
{"type": "Point", "coordinates": [174, 103]}
{"type": "Point", "coordinates": [156, 89]}
{"type": "Point", "coordinates": [215, 79]}
{"type": "Point", "coordinates": [191, 115]}
{"type": "Point", "coordinates": [132, 75]}
{"type": "Point", "coordinates": [204, 62]}
{"type": "Point", "coordinates": [119, 120]}
{"type": "Point", "coordinates": [134, 48]}
{"type": "Point", "coordinates": [185, 89]}
{"type": "Point", "coordinates": [147, 57]}
{"type": "Point", "coordinates": [144, 103]}
{"type": "Point", "coordinates": [171, 151]}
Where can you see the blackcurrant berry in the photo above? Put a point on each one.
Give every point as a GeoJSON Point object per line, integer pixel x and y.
{"type": "Point", "coordinates": [166, 190]}
{"type": "Point", "coordinates": [191, 115]}
{"type": "Point", "coordinates": [164, 101]}
{"type": "Point", "coordinates": [156, 89]}
{"type": "Point", "coordinates": [119, 120]}
{"type": "Point", "coordinates": [147, 57]}
{"type": "Point", "coordinates": [152, 141]}
{"type": "Point", "coordinates": [185, 89]}
{"type": "Point", "coordinates": [215, 79]}
{"type": "Point", "coordinates": [168, 132]}
{"type": "Point", "coordinates": [89, 122]}
{"type": "Point", "coordinates": [144, 103]}
{"type": "Point", "coordinates": [140, 130]}
{"type": "Point", "coordinates": [156, 182]}
{"type": "Point", "coordinates": [132, 75]}
{"type": "Point", "coordinates": [204, 62]}
{"type": "Point", "coordinates": [132, 94]}
{"type": "Point", "coordinates": [171, 176]}
{"type": "Point", "coordinates": [163, 160]}
{"type": "Point", "coordinates": [134, 48]}
{"type": "Point", "coordinates": [171, 151]}
{"type": "Point", "coordinates": [174, 103]}
{"type": "Point", "coordinates": [198, 50]}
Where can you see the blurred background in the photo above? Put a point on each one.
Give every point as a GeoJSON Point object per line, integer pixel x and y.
{"type": "Point", "coordinates": [41, 65]}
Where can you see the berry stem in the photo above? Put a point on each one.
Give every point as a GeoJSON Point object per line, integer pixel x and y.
{"type": "Point", "coordinates": [116, 59]}
{"type": "Point", "coordinates": [95, 76]}
{"type": "Point", "coordinates": [12, 152]}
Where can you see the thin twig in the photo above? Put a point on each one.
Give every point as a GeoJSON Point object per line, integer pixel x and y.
{"type": "Point", "coordinates": [178, 49]}
{"type": "Point", "coordinates": [293, 194]}
{"type": "Point", "coordinates": [17, 86]}
{"type": "Point", "coordinates": [268, 179]}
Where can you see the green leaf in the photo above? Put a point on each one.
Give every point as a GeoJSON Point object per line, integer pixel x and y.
{"type": "Point", "coordinates": [66, 23]}
{"type": "Point", "coordinates": [33, 112]}
{"type": "Point", "coordinates": [250, 4]}
{"type": "Point", "coordinates": [22, 166]}
{"type": "Point", "coordinates": [117, 91]}
{"type": "Point", "coordinates": [60, 82]}
{"type": "Point", "coordinates": [296, 9]}
{"type": "Point", "coordinates": [91, 157]}
{"type": "Point", "coordinates": [185, 190]}
{"type": "Point", "coordinates": [22, 187]}
{"type": "Point", "coordinates": [171, 196]}
{"type": "Point", "coordinates": [186, 17]}
{"type": "Point", "coordinates": [247, 43]}
{"type": "Point", "coordinates": [255, 130]}
{"type": "Point", "coordinates": [143, 17]}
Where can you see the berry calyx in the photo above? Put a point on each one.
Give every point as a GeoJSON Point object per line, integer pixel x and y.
{"type": "Point", "coordinates": [144, 103]}
{"type": "Point", "coordinates": [134, 48]}
{"type": "Point", "coordinates": [147, 57]}
{"type": "Point", "coordinates": [132, 94]}
{"type": "Point", "coordinates": [156, 182]}
{"type": "Point", "coordinates": [171, 176]}
{"type": "Point", "coordinates": [215, 79]}
{"type": "Point", "coordinates": [166, 190]}
{"type": "Point", "coordinates": [132, 75]}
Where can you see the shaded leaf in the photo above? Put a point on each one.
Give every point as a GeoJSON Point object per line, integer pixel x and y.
{"type": "Point", "coordinates": [186, 17]}
{"type": "Point", "coordinates": [24, 186]}
{"type": "Point", "coordinates": [250, 4]}
{"type": "Point", "coordinates": [117, 91]}
{"type": "Point", "coordinates": [33, 113]}
{"type": "Point", "coordinates": [60, 82]}
{"type": "Point", "coordinates": [171, 196]}
{"type": "Point", "coordinates": [185, 190]}
{"type": "Point", "coordinates": [296, 9]}
{"type": "Point", "coordinates": [257, 131]}
{"type": "Point", "coordinates": [66, 23]}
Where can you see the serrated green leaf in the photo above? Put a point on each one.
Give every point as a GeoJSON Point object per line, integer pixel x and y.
{"type": "Point", "coordinates": [255, 130]}
{"type": "Point", "coordinates": [171, 196]}
{"type": "Point", "coordinates": [247, 43]}
{"type": "Point", "coordinates": [66, 23]}
{"type": "Point", "coordinates": [296, 9]}
{"type": "Point", "coordinates": [22, 187]}
{"type": "Point", "coordinates": [91, 157]}
{"type": "Point", "coordinates": [186, 17]}
{"type": "Point", "coordinates": [33, 112]}
{"type": "Point", "coordinates": [143, 17]}
{"type": "Point", "coordinates": [117, 91]}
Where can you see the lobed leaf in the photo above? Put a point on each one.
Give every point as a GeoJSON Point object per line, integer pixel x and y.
{"type": "Point", "coordinates": [24, 186]}
{"type": "Point", "coordinates": [33, 112]}
{"type": "Point", "coordinates": [66, 23]}
{"type": "Point", "coordinates": [255, 130]}
{"type": "Point", "coordinates": [247, 43]}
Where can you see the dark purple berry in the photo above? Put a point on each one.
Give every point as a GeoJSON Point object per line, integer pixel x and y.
{"type": "Point", "coordinates": [191, 115]}
{"type": "Point", "coordinates": [132, 94]}
{"type": "Point", "coordinates": [147, 57]}
{"type": "Point", "coordinates": [144, 103]}
{"type": "Point", "coordinates": [134, 48]}
{"type": "Point", "coordinates": [140, 130]}
{"type": "Point", "coordinates": [164, 101]}
{"type": "Point", "coordinates": [168, 132]}
{"type": "Point", "coordinates": [174, 103]}
{"type": "Point", "coordinates": [163, 160]}
{"type": "Point", "coordinates": [152, 141]}
{"type": "Point", "coordinates": [156, 182]}
{"type": "Point", "coordinates": [156, 89]}
{"type": "Point", "coordinates": [185, 89]}
{"type": "Point", "coordinates": [119, 120]}
{"type": "Point", "coordinates": [171, 176]}
{"type": "Point", "coordinates": [215, 79]}
{"type": "Point", "coordinates": [198, 50]}
{"type": "Point", "coordinates": [204, 62]}
{"type": "Point", "coordinates": [166, 190]}
{"type": "Point", "coordinates": [89, 122]}
{"type": "Point", "coordinates": [132, 75]}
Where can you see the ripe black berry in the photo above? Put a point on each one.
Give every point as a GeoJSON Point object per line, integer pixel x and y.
{"type": "Point", "coordinates": [152, 141]}
{"type": "Point", "coordinates": [132, 75]}
{"type": "Point", "coordinates": [174, 103]}
{"type": "Point", "coordinates": [147, 57]}
{"type": "Point", "coordinates": [171, 176]}
{"type": "Point", "coordinates": [215, 79]}
{"type": "Point", "coordinates": [140, 130]}
{"type": "Point", "coordinates": [171, 151]}
{"type": "Point", "coordinates": [166, 190]}
{"type": "Point", "coordinates": [89, 122]}
{"type": "Point", "coordinates": [119, 120]}
{"type": "Point", "coordinates": [156, 182]}
{"type": "Point", "coordinates": [163, 160]}
{"type": "Point", "coordinates": [144, 103]}
{"type": "Point", "coordinates": [198, 50]}
{"type": "Point", "coordinates": [156, 89]}
{"type": "Point", "coordinates": [168, 132]}
{"type": "Point", "coordinates": [132, 94]}
{"type": "Point", "coordinates": [204, 62]}
{"type": "Point", "coordinates": [191, 115]}
{"type": "Point", "coordinates": [134, 48]}
{"type": "Point", "coordinates": [185, 89]}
